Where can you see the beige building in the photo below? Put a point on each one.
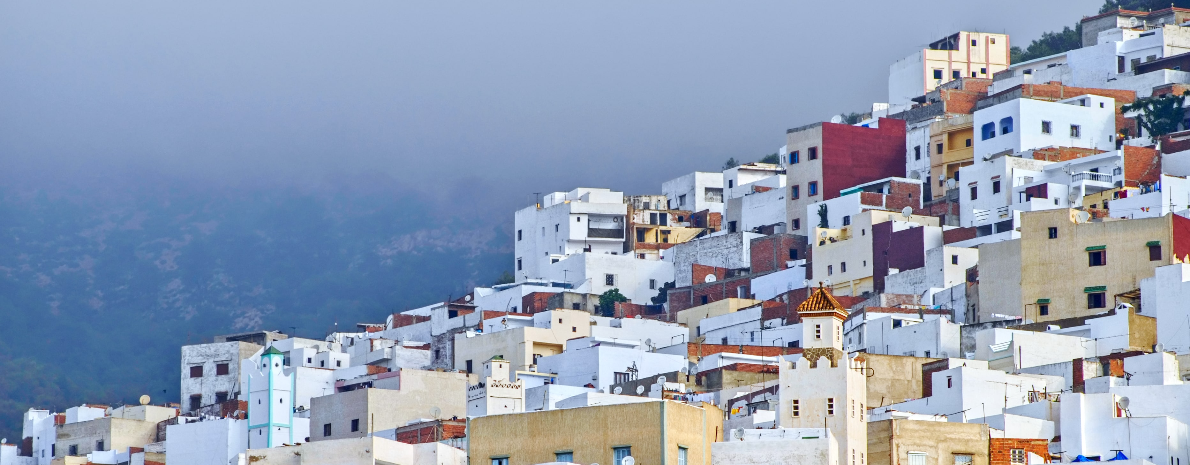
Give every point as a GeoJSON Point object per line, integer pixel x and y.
{"type": "Point", "coordinates": [655, 432]}
{"type": "Point", "coordinates": [892, 442]}
{"type": "Point", "coordinates": [951, 147]}
{"type": "Point", "coordinates": [1061, 268]}
{"type": "Point", "coordinates": [358, 451]}
{"type": "Point", "coordinates": [522, 346]}
{"type": "Point", "coordinates": [691, 317]}
{"type": "Point", "coordinates": [895, 378]}
{"type": "Point", "coordinates": [121, 428]}
{"type": "Point", "coordinates": [357, 413]}
{"type": "Point", "coordinates": [826, 386]}
{"type": "Point", "coordinates": [849, 249]}
{"type": "Point", "coordinates": [963, 54]}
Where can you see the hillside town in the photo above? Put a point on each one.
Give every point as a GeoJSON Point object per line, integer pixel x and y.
{"type": "Point", "coordinates": [986, 269]}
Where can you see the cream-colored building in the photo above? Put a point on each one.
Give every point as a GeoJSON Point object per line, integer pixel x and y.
{"type": "Point", "coordinates": [358, 451]}
{"type": "Point", "coordinates": [496, 392]}
{"type": "Point", "coordinates": [826, 386]}
{"type": "Point", "coordinates": [691, 317]}
{"type": "Point", "coordinates": [951, 147]}
{"type": "Point", "coordinates": [918, 442]}
{"type": "Point", "coordinates": [363, 411]}
{"type": "Point", "coordinates": [121, 428]}
{"type": "Point", "coordinates": [960, 55]}
{"type": "Point", "coordinates": [654, 432]}
{"type": "Point", "coordinates": [843, 256]}
{"type": "Point", "coordinates": [522, 346]}
{"type": "Point", "coordinates": [1061, 268]}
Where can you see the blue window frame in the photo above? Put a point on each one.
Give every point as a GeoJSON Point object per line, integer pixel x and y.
{"type": "Point", "coordinates": [987, 131]}
{"type": "Point", "coordinates": [618, 454]}
{"type": "Point", "coordinates": [794, 157]}
{"type": "Point", "coordinates": [1005, 125]}
{"type": "Point", "coordinates": [813, 188]}
{"type": "Point", "coordinates": [564, 457]}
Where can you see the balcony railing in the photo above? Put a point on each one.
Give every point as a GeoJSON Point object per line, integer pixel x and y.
{"type": "Point", "coordinates": [605, 233]}
{"type": "Point", "coordinates": [1089, 176]}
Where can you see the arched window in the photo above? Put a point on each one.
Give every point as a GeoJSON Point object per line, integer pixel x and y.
{"type": "Point", "coordinates": [987, 131]}
{"type": "Point", "coordinates": [1005, 125]}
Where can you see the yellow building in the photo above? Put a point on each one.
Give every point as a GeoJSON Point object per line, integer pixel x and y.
{"type": "Point", "coordinates": [1069, 269]}
{"type": "Point", "coordinates": [951, 147]}
{"type": "Point", "coordinates": [659, 432]}
{"type": "Point", "coordinates": [691, 317]}
{"type": "Point", "coordinates": [522, 346]}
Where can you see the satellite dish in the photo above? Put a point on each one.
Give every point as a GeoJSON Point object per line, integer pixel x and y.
{"type": "Point", "coordinates": [738, 433]}
{"type": "Point", "coordinates": [837, 119]}
{"type": "Point", "coordinates": [1159, 347]}
{"type": "Point", "coordinates": [907, 212]}
{"type": "Point", "coordinates": [1072, 196]}
{"type": "Point", "coordinates": [822, 235]}
{"type": "Point", "coordinates": [628, 460]}
{"type": "Point", "coordinates": [617, 390]}
{"type": "Point", "coordinates": [950, 183]}
{"type": "Point", "coordinates": [435, 412]}
{"type": "Point", "coordinates": [640, 390]}
{"type": "Point", "coordinates": [826, 282]}
{"type": "Point", "coordinates": [648, 342]}
{"type": "Point", "coordinates": [1123, 402]}
{"type": "Point", "coordinates": [709, 279]}
{"type": "Point", "coordinates": [915, 175]}
{"type": "Point", "coordinates": [144, 400]}
{"type": "Point", "coordinates": [660, 380]}
{"type": "Point", "coordinates": [684, 371]}
{"type": "Point", "coordinates": [1133, 22]}
{"type": "Point", "coordinates": [467, 298]}
{"type": "Point", "coordinates": [1081, 217]}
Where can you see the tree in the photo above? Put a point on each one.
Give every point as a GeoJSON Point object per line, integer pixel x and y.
{"type": "Point", "coordinates": [823, 221]}
{"type": "Point", "coordinates": [1050, 43]}
{"type": "Point", "coordinates": [662, 294]}
{"type": "Point", "coordinates": [1141, 5]}
{"type": "Point", "coordinates": [505, 278]}
{"type": "Point", "coordinates": [730, 163]}
{"type": "Point", "coordinates": [771, 158]}
{"type": "Point", "coordinates": [607, 301]}
{"type": "Point", "coordinates": [1158, 115]}
{"type": "Point", "coordinates": [852, 118]}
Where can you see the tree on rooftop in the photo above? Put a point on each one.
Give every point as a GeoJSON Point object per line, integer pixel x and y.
{"type": "Point", "coordinates": [823, 222]}
{"type": "Point", "coordinates": [662, 294]}
{"type": "Point", "coordinates": [1159, 115]}
{"type": "Point", "coordinates": [730, 163]}
{"type": "Point", "coordinates": [1141, 5]}
{"type": "Point", "coordinates": [771, 158]}
{"type": "Point", "coordinates": [1050, 43]}
{"type": "Point", "coordinates": [505, 278]}
{"type": "Point", "coordinates": [607, 301]}
{"type": "Point", "coordinates": [852, 118]}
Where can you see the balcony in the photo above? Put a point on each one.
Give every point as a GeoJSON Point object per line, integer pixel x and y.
{"type": "Point", "coordinates": [601, 233]}
{"type": "Point", "coordinates": [1092, 182]}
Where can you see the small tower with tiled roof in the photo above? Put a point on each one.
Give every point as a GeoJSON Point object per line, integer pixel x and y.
{"type": "Point", "coordinates": [822, 321]}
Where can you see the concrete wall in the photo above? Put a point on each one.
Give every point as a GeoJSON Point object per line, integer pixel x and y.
{"type": "Point", "coordinates": [786, 446]}
{"type": "Point", "coordinates": [380, 409]}
{"type": "Point", "coordinates": [731, 251]}
{"type": "Point", "coordinates": [891, 441]}
{"type": "Point", "coordinates": [1000, 280]}
{"type": "Point", "coordinates": [361, 451]}
{"type": "Point", "coordinates": [116, 434]}
{"type": "Point", "coordinates": [209, 356]}
{"type": "Point", "coordinates": [206, 442]}
{"type": "Point", "coordinates": [895, 378]}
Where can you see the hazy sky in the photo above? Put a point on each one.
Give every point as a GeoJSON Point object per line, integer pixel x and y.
{"type": "Point", "coordinates": [499, 99]}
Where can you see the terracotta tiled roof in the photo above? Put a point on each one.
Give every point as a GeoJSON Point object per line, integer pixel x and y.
{"type": "Point", "coordinates": [820, 301]}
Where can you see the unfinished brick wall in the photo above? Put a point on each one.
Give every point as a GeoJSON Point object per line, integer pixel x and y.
{"type": "Point", "coordinates": [1063, 153]}
{"type": "Point", "coordinates": [951, 236]}
{"type": "Point", "coordinates": [1000, 449]}
{"type": "Point", "coordinates": [535, 302]}
{"type": "Point", "coordinates": [1142, 165]}
{"type": "Point", "coordinates": [771, 253]}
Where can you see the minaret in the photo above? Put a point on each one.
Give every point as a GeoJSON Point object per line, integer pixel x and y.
{"type": "Point", "coordinates": [826, 387]}
{"type": "Point", "coordinates": [270, 401]}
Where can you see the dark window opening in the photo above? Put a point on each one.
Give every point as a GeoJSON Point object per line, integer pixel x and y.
{"type": "Point", "coordinates": [1097, 258]}
{"type": "Point", "coordinates": [355, 425]}
{"type": "Point", "coordinates": [1097, 300]}
{"type": "Point", "coordinates": [222, 369]}
{"type": "Point", "coordinates": [326, 430]}
{"type": "Point", "coordinates": [220, 397]}
{"type": "Point", "coordinates": [1053, 233]}
{"type": "Point", "coordinates": [1154, 252]}
{"type": "Point", "coordinates": [196, 371]}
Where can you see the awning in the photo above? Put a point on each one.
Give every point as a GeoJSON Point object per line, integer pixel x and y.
{"type": "Point", "coordinates": [1043, 301]}
{"type": "Point", "coordinates": [1152, 243]}
{"type": "Point", "coordinates": [1096, 247]}
{"type": "Point", "coordinates": [1095, 289]}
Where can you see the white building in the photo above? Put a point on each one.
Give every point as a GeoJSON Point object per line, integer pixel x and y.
{"type": "Point", "coordinates": [1170, 195]}
{"type": "Point", "coordinates": [602, 362]}
{"type": "Point", "coordinates": [1164, 296]}
{"type": "Point", "coordinates": [723, 250]}
{"type": "Point", "coordinates": [205, 442]}
{"type": "Point", "coordinates": [959, 55]}
{"type": "Point", "coordinates": [890, 332]}
{"type": "Point", "coordinates": [567, 223]}
{"type": "Point", "coordinates": [695, 192]}
{"type": "Point", "coordinates": [1085, 121]}
{"type": "Point", "coordinates": [211, 372]}
{"type": "Point", "coordinates": [945, 267]}
{"type": "Point", "coordinates": [748, 326]}
{"type": "Point", "coordinates": [497, 391]}
{"type": "Point", "coordinates": [271, 400]}
{"type": "Point", "coordinates": [592, 273]}
{"type": "Point", "coordinates": [888, 194]}
{"type": "Point", "coordinates": [742, 179]}
{"type": "Point", "coordinates": [782, 446]}
{"type": "Point", "coordinates": [968, 391]}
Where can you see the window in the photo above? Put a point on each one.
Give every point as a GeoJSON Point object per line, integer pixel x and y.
{"type": "Point", "coordinates": [817, 331]}
{"type": "Point", "coordinates": [939, 149]}
{"type": "Point", "coordinates": [322, 364]}
{"type": "Point", "coordinates": [954, 74]}
{"type": "Point", "coordinates": [99, 445]}
{"type": "Point", "coordinates": [847, 220]}
{"type": "Point", "coordinates": [1016, 456]}
{"type": "Point", "coordinates": [519, 236]}
{"type": "Point", "coordinates": [703, 299]}
{"type": "Point", "coordinates": [196, 371]}
{"type": "Point", "coordinates": [653, 284]}
{"type": "Point", "coordinates": [618, 454]}
{"type": "Point", "coordinates": [221, 369]}
{"type": "Point", "coordinates": [795, 192]}
{"type": "Point", "coordinates": [852, 408]}
{"type": "Point", "coordinates": [72, 450]}
{"type": "Point", "coordinates": [937, 74]}
{"type": "Point", "coordinates": [974, 192]}
{"type": "Point", "coordinates": [812, 188]}
{"type": "Point", "coordinates": [967, 143]}
{"type": "Point", "coordinates": [682, 455]}
{"type": "Point", "coordinates": [469, 366]}
{"type": "Point", "coordinates": [567, 456]}
{"type": "Point", "coordinates": [794, 157]}
{"type": "Point", "coordinates": [813, 151]}
{"type": "Point", "coordinates": [1154, 252]}
{"type": "Point", "coordinates": [220, 397]}
{"type": "Point", "coordinates": [1076, 131]}
{"type": "Point", "coordinates": [556, 226]}
{"type": "Point", "coordinates": [987, 131]}
{"type": "Point", "coordinates": [797, 224]}
{"type": "Point", "coordinates": [731, 226]}
{"type": "Point", "coordinates": [499, 460]}
{"type": "Point", "coordinates": [962, 459]}
{"type": "Point", "coordinates": [993, 40]}
{"type": "Point", "coordinates": [830, 270]}
{"type": "Point", "coordinates": [326, 430]}
{"type": "Point", "coordinates": [1005, 126]}
{"type": "Point", "coordinates": [730, 184]}
{"type": "Point", "coordinates": [355, 425]}
{"type": "Point", "coordinates": [1053, 233]}
{"type": "Point", "coordinates": [518, 264]}
{"type": "Point", "coordinates": [983, 70]}
{"type": "Point", "coordinates": [793, 254]}
{"type": "Point", "coordinates": [830, 405]}
{"type": "Point", "coordinates": [1097, 258]}
{"type": "Point", "coordinates": [996, 186]}
{"type": "Point", "coordinates": [949, 382]}
{"type": "Point", "coordinates": [843, 267]}
{"type": "Point", "coordinates": [1097, 300]}
{"type": "Point", "coordinates": [796, 408]}
{"type": "Point", "coordinates": [917, 152]}
{"type": "Point", "coordinates": [609, 279]}
{"type": "Point", "coordinates": [682, 200]}
{"type": "Point", "coordinates": [578, 219]}
{"type": "Point", "coordinates": [954, 259]}
{"type": "Point", "coordinates": [917, 458]}
{"type": "Point", "coordinates": [195, 402]}
{"type": "Point", "coordinates": [1043, 309]}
